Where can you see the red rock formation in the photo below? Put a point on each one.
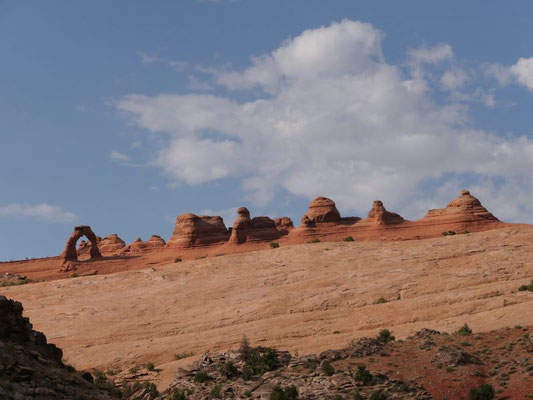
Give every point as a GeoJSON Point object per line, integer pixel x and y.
{"type": "Point", "coordinates": [321, 209]}
{"type": "Point", "coordinates": [70, 253]}
{"type": "Point", "coordinates": [464, 209]}
{"type": "Point", "coordinates": [111, 244]}
{"type": "Point", "coordinates": [258, 228]}
{"type": "Point", "coordinates": [193, 230]}
{"type": "Point", "coordinates": [156, 242]}
{"type": "Point", "coordinates": [380, 216]}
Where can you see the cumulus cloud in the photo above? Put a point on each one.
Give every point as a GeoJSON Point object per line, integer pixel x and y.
{"type": "Point", "coordinates": [520, 73]}
{"type": "Point", "coordinates": [41, 212]}
{"type": "Point", "coordinates": [326, 114]}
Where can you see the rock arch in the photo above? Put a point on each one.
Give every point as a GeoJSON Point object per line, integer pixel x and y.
{"type": "Point", "coordinates": [70, 253]}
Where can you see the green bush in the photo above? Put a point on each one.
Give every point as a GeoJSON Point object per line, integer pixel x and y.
{"type": "Point", "coordinates": [464, 330]}
{"type": "Point", "coordinates": [260, 362]}
{"type": "Point", "coordinates": [15, 282]}
{"type": "Point", "coordinates": [178, 260]}
{"type": "Point", "coordinates": [525, 288]}
{"type": "Point", "coordinates": [349, 239]}
{"type": "Point", "coordinates": [134, 370]}
{"type": "Point", "coordinates": [377, 395]}
{"type": "Point", "coordinates": [274, 245]}
{"type": "Point", "coordinates": [216, 392]}
{"type": "Point", "coordinates": [381, 300]}
{"type": "Point", "coordinates": [363, 375]}
{"type": "Point", "coordinates": [180, 356]}
{"type": "Point", "coordinates": [151, 388]}
{"type": "Point", "coordinates": [328, 369]}
{"type": "Point", "coordinates": [228, 370]}
{"type": "Point", "coordinates": [149, 366]}
{"type": "Point", "coordinates": [201, 377]}
{"type": "Point", "coordinates": [449, 233]}
{"type": "Point", "coordinates": [385, 336]}
{"type": "Point", "coordinates": [287, 393]}
{"type": "Point", "coordinates": [180, 394]}
{"type": "Point", "coordinates": [314, 241]}
{"type": "Point", "coordinates": [483, 392]}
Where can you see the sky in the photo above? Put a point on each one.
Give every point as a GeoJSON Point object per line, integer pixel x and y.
{"type": "Point", "coordinates": [122, 115]}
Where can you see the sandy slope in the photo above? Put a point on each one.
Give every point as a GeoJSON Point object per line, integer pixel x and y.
{"type": "Point", "coordinates": [293, 297]}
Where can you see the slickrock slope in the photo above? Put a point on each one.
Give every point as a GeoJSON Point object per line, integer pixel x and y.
{"type": "Point", "coordinates": [294, 298]}
{"type": "Point", "coordinates": [31, 368]}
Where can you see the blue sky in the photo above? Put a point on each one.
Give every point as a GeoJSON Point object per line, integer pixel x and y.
{"type": "Point", "coordinates": [124, 114]}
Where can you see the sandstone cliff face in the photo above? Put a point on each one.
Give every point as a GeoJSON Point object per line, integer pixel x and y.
{"type": "Point", "coordinates": [192, 230]}
{"type": "Point", "coordinates": [32, 368]}
{"type": "Point", "coordinates": [466, 208]}
{"type": "Point", "coordinates": [258, 228]}
{"type": "Point", "coordinates": [320, 210]}
{"type": "Point", "coordinates": [380, 216]}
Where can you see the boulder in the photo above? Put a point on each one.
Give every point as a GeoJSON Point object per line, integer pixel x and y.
{"type": "Point", "coordinates": [380, 216]}
{"type": "Point", "coordinates": [192, 230]}
{"type": "Point", "coordinates": [320, 210]}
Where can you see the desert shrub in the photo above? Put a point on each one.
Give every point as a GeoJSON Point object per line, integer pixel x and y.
{"type": "Point", "coordinates": [464, 330]}
{"type": "Point", "coordinates": [385, 336]}
{"type": "Point", "coordinates": [328, 369]}
{"type": "Point", "coordinates": [274, 245]}
{"type": "Point", "coordinates": [149, 366]}
{"type": "Point", "coordinates": [178, 260]}
{"type": "Point", "coordinates": [381, 300]}
{"type": "Point", "coordinates": [201, 377]}
{"type": "Point", "coordinates": [247, 372]}
{"type": "Point", "coordinates": [134, 370]}
{"type": "Point", "coordinates": [180, 394]}
{"type": "Point", "coordinates": [348, 239]}
{"type": "Point", "coordinates": [151, 388]}
{"type": "Point", "coordinates": [261, 362]}
{"type": "Point", "coordinates": [216, 392]}
{"type": "Point", "coordinates": [483, 392]}
{"type": "Point", "coordinates": [363, 375]}
{"type": "Point", "coordinates": [448, 233]}
{"type": "Point", "coordinates": [15, 282]}
{"type": "Point", "coordinates": [228, 370]}
{"type": "Point", "coordinates": [336, 332]}
{"type": "Point", "coordinates": [287, 393]}
{"type": "Point", "coordinates": [524, 288]}
{"type": "Point", "coordinates": [180, 356]}
{"type": "Point", "coordinates": [377, 395]}
{"type": "Point", "coordinates": [314, 241]}
{"type": "Point", "coordinates": [74, 275]}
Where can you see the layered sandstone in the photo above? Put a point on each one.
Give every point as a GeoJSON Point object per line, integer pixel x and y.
{"type": "Point", "coordinates": [464, 209]}
{"type": "Point", "coordinates": [320, 210]}
{"type": "Point", "coordinates": [111, 244]}
{"type": "Point", "coordinates": [192, 230]}
{"type": "Point", "coordinates": [380, 216]}
{"type": "Point", "coordinates": [247, 229]}
{"type": "Point", "coordinates": [70, 253]}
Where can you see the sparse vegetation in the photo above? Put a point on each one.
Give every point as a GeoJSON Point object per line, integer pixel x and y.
{"type": "Point", "coordinates": [228, 370]}
{"type": "Point", "coordinates": [201, 377]}
{"type": "Point", "coordinates": [349, 239]}
{"type": "Point", "coordinates": [464, 330]}
{"type": "Point", "coordinates": [181, 356]}
{"type": "Point", "coordinates": [216, 392]}
{"type": "Point", "coordinates": [449, 233]}
{"type": "Point", "coordinates": [287, 393]}
{"type": "Point", "coordinates": [336, 332]}
{"type": "Point", "coordinates": [363, 375]}
{"type": "Point", "coordinates": [15, 282]}
{"type": "Point", "coordinates": [385, 336]}
{"type": "Point", "coordinates": [151, 388]}
{"type": "Point", "coordinates": [314, 241]}
{"type": "Point", "coordinates": [133, 370]}
{"type": "Point", "coordinates": [274, 245]}
{"type": "Point", "coordinates": [328, 369]}
{"type": "Point", "coordinates": [176, 260]}
{"type": "Point", "coordinates": [483, 392]}
{"type": "Point", "coordinates": [74, 275]}
{"type": "Point", "coordinates": [528, 288]}
{"type": "Point", "coordinates": [181, 394]}
{"type": "Point", "coordinates": [381, 300]}
{"type": "Point", "coordinates": [149, 366]}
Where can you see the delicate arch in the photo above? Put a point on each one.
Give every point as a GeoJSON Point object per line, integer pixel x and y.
{"type": "Point", "coordinates": [70, 253]}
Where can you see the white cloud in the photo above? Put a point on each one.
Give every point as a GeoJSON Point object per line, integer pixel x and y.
{"type": "Point", "coordinates": [118, 156]}
{"type": "Point", "coordinates": [332, 118]}
{"type": "Point", "coordinates": [42, 212]}
{"type": "Point", "coordinates": [520, 73]}
{"type": "Point", "coordinates": [431, 55]}
{"type": "Point", "coordinates": [454, 79]}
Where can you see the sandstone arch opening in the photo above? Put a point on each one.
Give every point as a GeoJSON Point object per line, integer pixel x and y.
{"type": "Point", "coordinates": [70, 253]}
